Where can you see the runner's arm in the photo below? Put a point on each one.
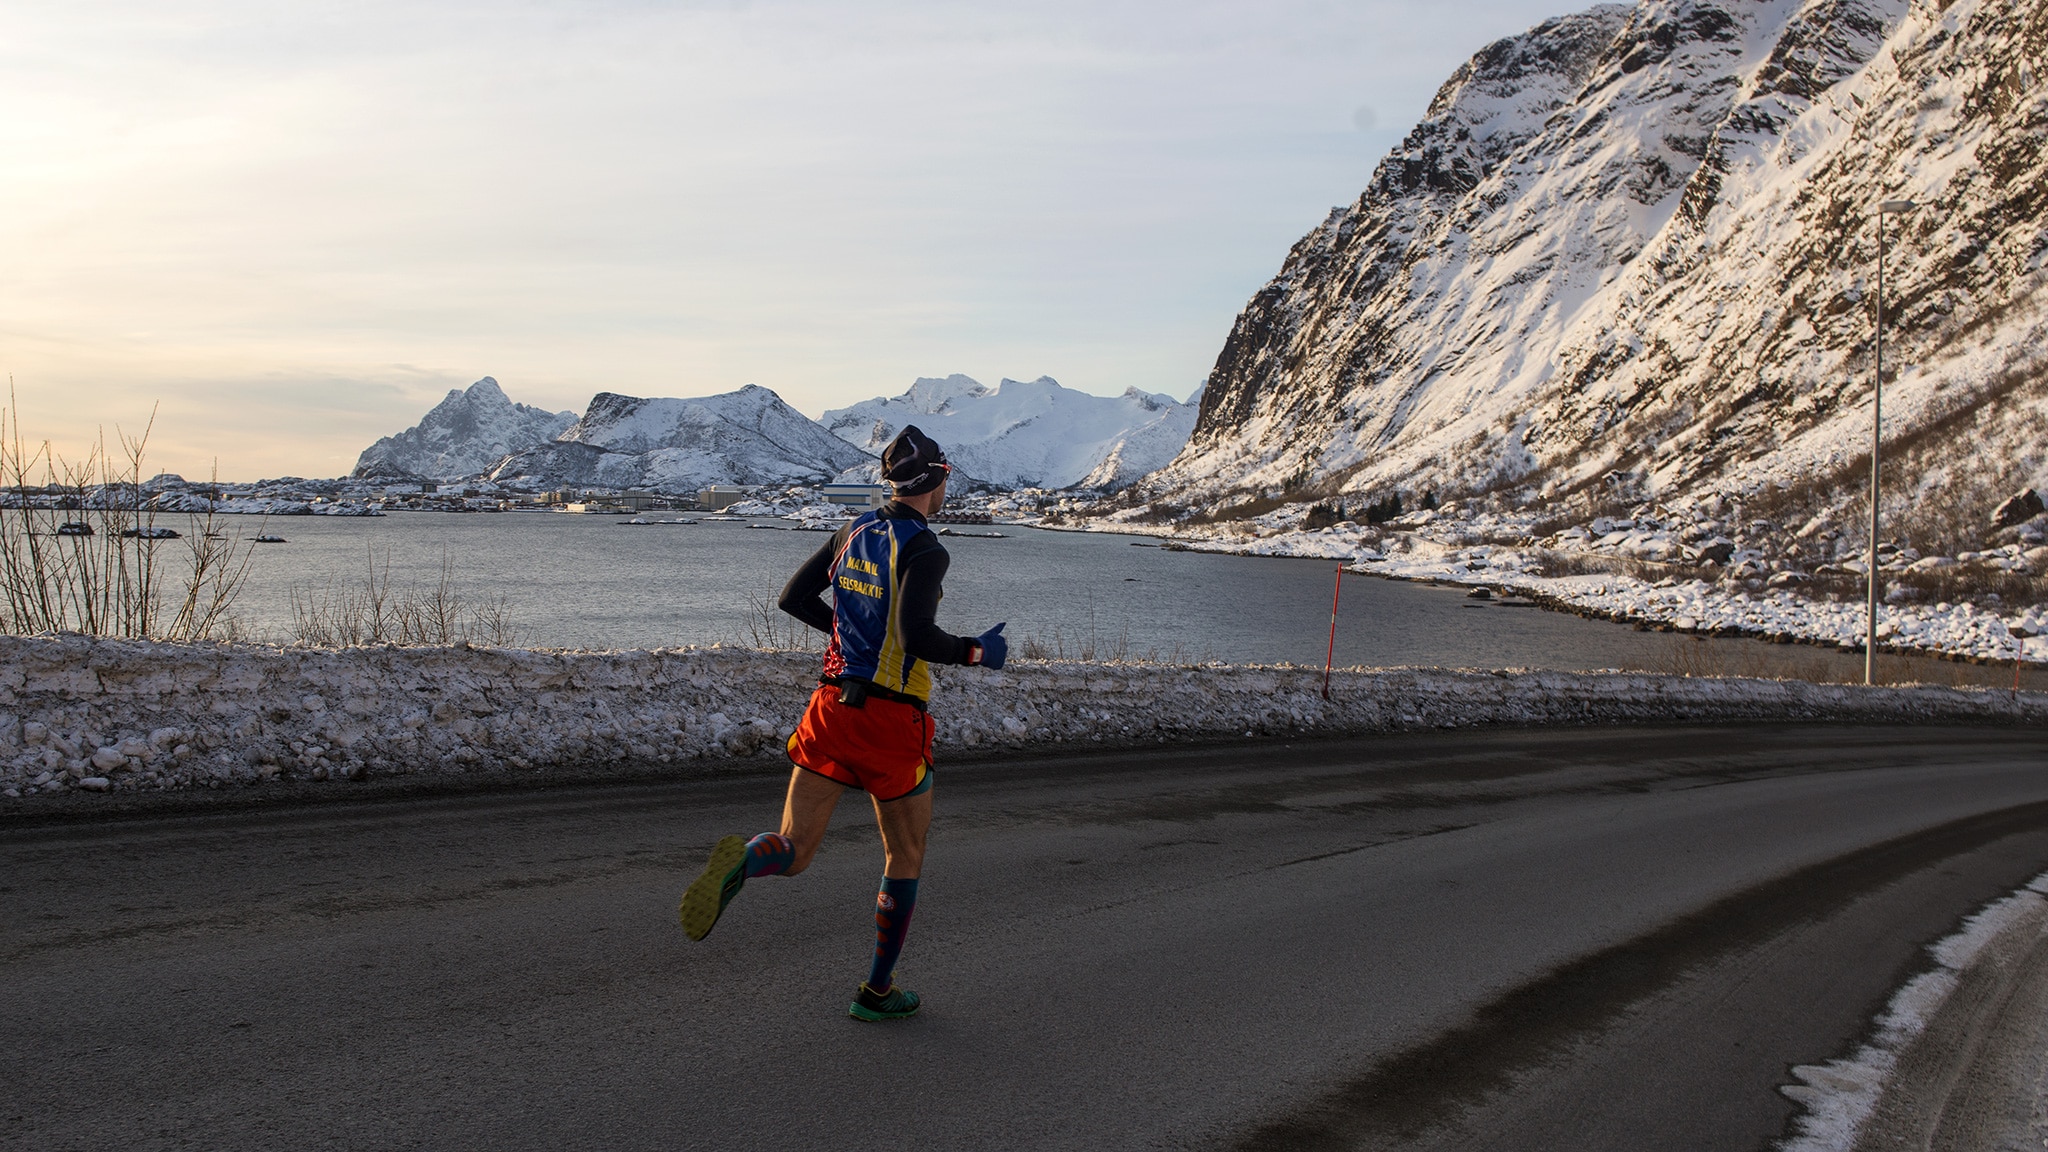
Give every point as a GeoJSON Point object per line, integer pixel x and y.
{"type": "Point", "coordinates": [800, 595]}
{"type": "Point", "coordinates": [924, 571]}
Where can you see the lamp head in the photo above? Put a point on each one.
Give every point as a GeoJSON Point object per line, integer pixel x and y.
{"type": "Point", "coordinates": [1894, 207]}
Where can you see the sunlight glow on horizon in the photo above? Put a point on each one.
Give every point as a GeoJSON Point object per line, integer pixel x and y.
{"type": "Point", "coordinates": [298, 227]}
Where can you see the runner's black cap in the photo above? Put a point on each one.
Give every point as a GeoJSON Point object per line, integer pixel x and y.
{"type": "Point", "coordinates": [914, 462]}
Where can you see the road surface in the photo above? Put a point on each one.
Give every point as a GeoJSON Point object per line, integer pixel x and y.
{"type": "Point", "coordinates": [1599, 938]}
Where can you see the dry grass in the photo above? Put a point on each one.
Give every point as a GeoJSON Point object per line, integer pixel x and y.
{"type": "Point", "coordinates": [1703, 657]}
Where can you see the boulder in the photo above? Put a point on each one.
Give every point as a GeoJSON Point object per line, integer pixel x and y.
{"type": "Point", "coordinates": [2018, 509]}
{"type": "Point", "coordinates": [1717, 552]}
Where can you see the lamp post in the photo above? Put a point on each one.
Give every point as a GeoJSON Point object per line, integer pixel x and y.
{"type": "Point", "coordinates": [1884, 208]}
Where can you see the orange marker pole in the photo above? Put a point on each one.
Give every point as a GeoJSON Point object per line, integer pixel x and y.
{"type": "Point", "coordinates": [1330, 657]}
{"type": "Point", "coordinates": [2019, 659]}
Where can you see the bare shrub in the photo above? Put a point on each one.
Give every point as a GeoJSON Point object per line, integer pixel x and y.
{"type": "Point", "coordinates": [1971, 582]}
{"type": "Point", "coordinates": [1093, 649]}
{"type": "Point", "coordinates": [1244, 509]}
{"type": "Point", "coordinates": [770, 629]}
{"type": "Point", "coordinates": [82, 551]}
{"type": "Point", "coordinates": [372, 612]}
{"type": "Point", "coordinates": [1162, 512]}
{"type": "Point", "coordinates": [1088, 647]}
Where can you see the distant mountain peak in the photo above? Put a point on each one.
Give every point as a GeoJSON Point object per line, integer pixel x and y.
{"type": "Point", "coordinates": [668, 444]}
{"type": "Point", "coordinates": [465, 435]}
{"type": "Point", "coordinates": [936, 393]}
{"type": "Point", "coordinates": [1026, 433]}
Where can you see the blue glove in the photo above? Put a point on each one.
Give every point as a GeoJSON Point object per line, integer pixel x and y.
{"type": "Point", "coordinates": [993, 647]}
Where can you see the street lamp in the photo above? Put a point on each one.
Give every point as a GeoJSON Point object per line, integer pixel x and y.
{"type": "Point", "coordinates": [1884, 208]}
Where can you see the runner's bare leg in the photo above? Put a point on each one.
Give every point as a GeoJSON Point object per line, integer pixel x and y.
{"type": "Point", "coordinates": [806, 812]}
{"type": "Point", "coordinates": [903, 823]}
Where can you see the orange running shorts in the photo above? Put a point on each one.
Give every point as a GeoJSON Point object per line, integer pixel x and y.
{"type": "Point", "coordinates": [883, 748]}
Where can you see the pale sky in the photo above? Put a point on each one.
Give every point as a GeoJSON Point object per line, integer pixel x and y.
{"type": "Point", "coordinates": [295, 226]}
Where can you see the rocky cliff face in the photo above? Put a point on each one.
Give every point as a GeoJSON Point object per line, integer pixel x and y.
{"type": "Point", "coordinates": [1034, 433]}
{"type": "Point", "coordinates": [467, 433]}
{"type": "Point", "coordinates": [1632, 253]}
{"type": "Point", "coordinates": [670, 445]}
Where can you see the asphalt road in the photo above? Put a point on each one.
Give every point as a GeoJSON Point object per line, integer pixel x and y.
{"type": "Point", "coordinates": [1595, 939]}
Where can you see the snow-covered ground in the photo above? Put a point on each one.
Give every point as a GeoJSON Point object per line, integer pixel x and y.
{"type": "Point", "coordinates": [126, 716]}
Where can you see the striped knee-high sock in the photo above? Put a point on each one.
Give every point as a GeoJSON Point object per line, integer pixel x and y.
{"type": "Point", "coordinates": [893, 906]}
{"type": "Point", "coordinates": [768, 854]}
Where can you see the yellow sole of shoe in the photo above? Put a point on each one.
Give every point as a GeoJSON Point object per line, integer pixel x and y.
{"type": "Point", "coordinates": [700, 906]}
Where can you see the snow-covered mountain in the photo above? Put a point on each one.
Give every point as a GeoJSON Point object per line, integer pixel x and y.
{"type": "Point", "coordinates": [670, 445]}
{"type": "Point", "coordinates": [1028, 434]}
{"type": "Point", "coordinates": [467, 433]}
{"type": "Point", "coordinates": [1632, 253]}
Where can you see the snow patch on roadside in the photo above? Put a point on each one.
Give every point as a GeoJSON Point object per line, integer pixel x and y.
{"type": "Point", "coordinates": [149, 717]}
{"type": "Point", "coordinates": [1839, 1096]}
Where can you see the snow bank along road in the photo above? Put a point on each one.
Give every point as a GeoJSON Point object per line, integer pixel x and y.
{"type": "Point", "coordinates": [1598, 938]}
{"type": "Point", "coordinates": [103, 716]}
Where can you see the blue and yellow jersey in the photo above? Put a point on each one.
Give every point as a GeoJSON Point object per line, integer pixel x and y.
{"type": "Point", "coordinates": [867, 629]}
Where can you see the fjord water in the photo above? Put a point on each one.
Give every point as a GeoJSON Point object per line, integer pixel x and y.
{"type": "Point", "coordinates": [594, 582]}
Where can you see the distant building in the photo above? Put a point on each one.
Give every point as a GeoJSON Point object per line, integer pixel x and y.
{"type": "Point", "coordinates": [719, 497]}
{"type": "Point", "coordinates": [857, 495]}
{"type": "Point", "coordinates": [640, 501]}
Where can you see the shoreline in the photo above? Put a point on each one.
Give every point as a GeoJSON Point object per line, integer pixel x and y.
{"type": "Point", "coordinates": [1962, 633]}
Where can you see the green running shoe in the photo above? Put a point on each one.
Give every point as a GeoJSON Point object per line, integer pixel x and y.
{"type": "Point", "coordinates": [870, 1005]}
{"type": "Point", "coordinates": [714, 888]}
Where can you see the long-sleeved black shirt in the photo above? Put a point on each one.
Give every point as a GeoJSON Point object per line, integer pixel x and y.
{"type": "Point", "coordinates": [922, 566]}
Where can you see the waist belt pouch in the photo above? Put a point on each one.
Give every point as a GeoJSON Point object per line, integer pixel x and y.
{"type": "Point", "coordinates": [853, 692]}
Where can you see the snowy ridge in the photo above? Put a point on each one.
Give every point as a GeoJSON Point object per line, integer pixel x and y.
{"type": "Point", "coordinates": [466, 434]}
{"type": "Point", "coordinates": [671, 445]}
{"type": "Point", "coordinates": [1028, 434]}
{"type": "Point", "coordinates": [127, 716]}
{"type": "Point", "coordinates": [1631, 251]}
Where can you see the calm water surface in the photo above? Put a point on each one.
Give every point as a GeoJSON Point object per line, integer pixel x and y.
{"type": "Point", "coordinates": [594, 582]}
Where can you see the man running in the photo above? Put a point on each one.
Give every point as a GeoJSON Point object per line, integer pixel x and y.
{"type": "Point", "coordinates": [866, 726]}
